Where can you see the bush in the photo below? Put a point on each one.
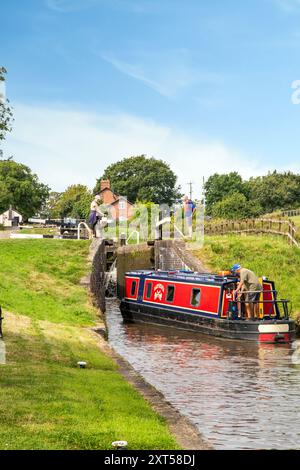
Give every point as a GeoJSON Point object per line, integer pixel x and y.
{"type": "Point", "coordinates": [235, 206]}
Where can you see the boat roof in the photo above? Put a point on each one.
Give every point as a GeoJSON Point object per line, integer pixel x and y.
{"type": "Point", "coordinates": [187, 276]}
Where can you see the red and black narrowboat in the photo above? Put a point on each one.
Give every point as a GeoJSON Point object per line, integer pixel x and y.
{"type": "Point", "coordinates": [205, 303]}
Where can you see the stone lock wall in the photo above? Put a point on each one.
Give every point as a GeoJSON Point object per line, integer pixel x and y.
{"type": "Point", "coordinates": [166, 255]}
{"type": "Point", "coordinates": [97, 279]}
{"type": "Point", "coordinates": [131, 258]}
{"type": "Point", "coordinates": [171, 255]}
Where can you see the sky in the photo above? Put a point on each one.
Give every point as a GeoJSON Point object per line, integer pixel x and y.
{"type": "Point", "coordinates": [207, 86]}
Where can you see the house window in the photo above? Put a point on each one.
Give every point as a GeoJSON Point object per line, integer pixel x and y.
{"type": "Point", "coordinates": [122, 205]}
{"type": "Point", "coordinates": [195, 297]}
{"type": "Point", "coordinates": [149, 290]}
{"type": "Point", "coordinates": [133, 289]}
{"type": "Point", "coordinates": [170, 294]}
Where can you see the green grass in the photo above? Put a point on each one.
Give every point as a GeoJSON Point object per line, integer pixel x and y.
{"type": "Point", "coordinates": [46, 401]}
{"type": "Point", "coordinates": [39, 278]}
{"type": "Point", "coordinates": [265, 255]}
{"type": "Point", "coordinates": [296, 221]}
{"type": "Point", "coordinates": [40, 231]}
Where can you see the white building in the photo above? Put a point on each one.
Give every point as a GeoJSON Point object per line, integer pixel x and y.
{"type": "Point", "coordinates": [10, 218]}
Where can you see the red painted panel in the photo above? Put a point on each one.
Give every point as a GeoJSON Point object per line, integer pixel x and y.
{"type": "Point", "coordinates": [227, 297]}
{"type": "Point", "coordinates": [128, 285]}
{"type": "Point", "coordinates": [269, 308]}
{"type": "Point", "coordinates": [209, 300]}
{"type": "Point", "coordinates": [270, 338]}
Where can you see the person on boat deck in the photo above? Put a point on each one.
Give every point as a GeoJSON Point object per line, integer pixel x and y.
{"type": "Point", "coordinates": [250, 285]}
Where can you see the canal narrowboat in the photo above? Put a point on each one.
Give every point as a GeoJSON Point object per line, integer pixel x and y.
{"type": "Point", "coordinates": [204, 302]}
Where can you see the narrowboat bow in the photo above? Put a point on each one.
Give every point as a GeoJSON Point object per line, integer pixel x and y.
{"type": "Point", "coordinates": [205, 303]}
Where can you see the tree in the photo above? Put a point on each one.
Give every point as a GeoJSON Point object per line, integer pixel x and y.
{"type": "Point", "coordinates": [74, 202]}
{"type": "Point", "coordinates": [276, 191]}
{"type": "Point", "coordinates": [144, 179]}
{"type": "Point", "coordinates": [235, 206]}
{"type": "Point", "coordinates": [21, 188]}
{"type": "Point", "coordinates": [6, 115]}
{"type": "Point", "coordinates": [217, 187]}
{"type": "Point", "coordinates": [48, 208]}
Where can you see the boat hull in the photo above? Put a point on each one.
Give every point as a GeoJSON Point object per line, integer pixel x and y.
{"type": "Point", "coordinates": [266, 331]}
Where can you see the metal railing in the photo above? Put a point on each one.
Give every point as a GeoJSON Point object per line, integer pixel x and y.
{"type": "Point", "coordinates": [239, 302]}
{"type": "Point", "coordinates": [86, 227]}
{"type": "Point", "coordinates": [135, 232]}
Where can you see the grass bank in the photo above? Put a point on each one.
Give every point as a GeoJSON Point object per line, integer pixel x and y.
{"type": "Point", "coordinates": [296, 220]}
{"type": "Point", "coordinates": [40, 278]}
{"type": "Point", "coordinates": [265, 255]}
{"type": "Point", "coordinates": [46, 401]}
{"type": "Point", "coordinates": [40, 231]}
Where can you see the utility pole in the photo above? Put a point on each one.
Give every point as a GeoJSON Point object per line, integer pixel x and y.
{"type": "Point", "coordinates": [203, 192]}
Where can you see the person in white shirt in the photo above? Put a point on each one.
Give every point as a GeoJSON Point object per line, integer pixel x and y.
{"type": "Point", "coordinates": [96, 214]}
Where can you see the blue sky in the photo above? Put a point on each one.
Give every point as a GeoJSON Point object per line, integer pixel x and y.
{"type": "Point", "coordinates": [205, 85]}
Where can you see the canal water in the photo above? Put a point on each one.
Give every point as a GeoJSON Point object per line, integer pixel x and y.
{"type": "Point", "coordinates": [239, 395]}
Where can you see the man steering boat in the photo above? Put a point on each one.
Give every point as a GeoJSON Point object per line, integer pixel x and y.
{"type": "Point", "coordinates": [250, 287]}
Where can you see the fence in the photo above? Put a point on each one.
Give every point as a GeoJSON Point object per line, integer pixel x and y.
{"type": "Point", "coordinates": [283, 228]}
{"type": "Point", "coordinates": [290, 213]}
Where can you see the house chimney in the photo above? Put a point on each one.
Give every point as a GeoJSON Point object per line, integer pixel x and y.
{"type": "Point", "coordinates": [105, 184]}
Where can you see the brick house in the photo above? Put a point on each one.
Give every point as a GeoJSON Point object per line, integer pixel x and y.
{"type": "Point", "coordinates": [120, 207]}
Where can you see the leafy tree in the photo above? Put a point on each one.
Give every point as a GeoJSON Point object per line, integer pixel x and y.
{"type": "Point", "coordinates": [81, 208]}
{"type": "Point", "coordinates": [21, 188]}
{"type": "Point", "coordinates": [276, 191]}
{"type": "Point", "coordinates": [217, 187]}
{"type": "Point", "coordinates": [48, 208]}
{"type": "Point", "coordinates": [6, 115]}
{"type": "Point", "coordinates": [74, 202]}
{"type": "Point", "coordinates": [235, 206]}
{"type": "Point", "coordinates": [144, 179]}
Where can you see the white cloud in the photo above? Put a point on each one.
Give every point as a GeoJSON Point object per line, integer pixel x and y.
{"type": "Point", "coordinates": [167, 72]}
{"type": "Point", "coordinates": [2, 91]}
{"type": "Point", "coordinates": [65, 147]}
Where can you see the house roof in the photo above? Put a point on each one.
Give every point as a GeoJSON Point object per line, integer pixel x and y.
{"type": "Point", "coordinates": [11, 209]}
{"type": "Point", "coordinates": [118, 200]}
{"type": "Point", "coordinates": [117, 196]}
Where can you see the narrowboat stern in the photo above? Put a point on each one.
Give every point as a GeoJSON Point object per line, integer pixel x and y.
{"type": "Point", "coordinates": [205, 303]}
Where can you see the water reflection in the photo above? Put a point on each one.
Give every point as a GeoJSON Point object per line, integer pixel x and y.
{"type": "Point", "coordinates": [240, 395]}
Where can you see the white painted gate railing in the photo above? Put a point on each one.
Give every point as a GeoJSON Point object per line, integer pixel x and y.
{"type": "Point", "coordinates": [85, 226]}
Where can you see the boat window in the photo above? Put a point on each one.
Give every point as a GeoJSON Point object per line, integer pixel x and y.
{"type": "Point", "coordinates": [149, 290]}
{"type": "Point", "coordinates": [170, 293]}
{"type": "Point", "coordinates": [133, 289]}
{"type": "Point", "coordinates": [195, 297]}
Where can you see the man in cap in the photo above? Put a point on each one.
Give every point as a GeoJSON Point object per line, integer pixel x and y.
{"type": "Point", "coordinates": [250, 285]}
